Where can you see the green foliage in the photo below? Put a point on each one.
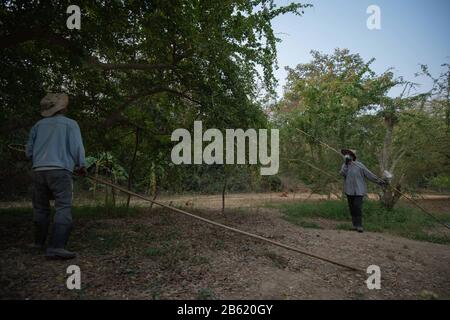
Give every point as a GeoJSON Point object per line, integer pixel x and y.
{"type": "Point", "coordinates": [103, 241]}
{"type": "Point", "coordinates": [335, 210]}
{"type": "Point", "coordinates": [325, 98]}
{"type": "Point", "coordinates": [304, 224]}
{"type": "Point", "coordinates": [337, 98]}
{"type": "Point", "coordinates": [442, 183]}
{"type": "Point", "coordinates": [107, 163]}
{"type": "Point", "coordinates": [422, 141]}
{"type": "Point", "coordinates": [206, 294]}
{"type": "Point", "coordinates": [152, 252]}
{"type": "Point", "coordinates": [148, 65]}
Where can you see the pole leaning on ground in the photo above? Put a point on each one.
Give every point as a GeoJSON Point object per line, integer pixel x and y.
{"type": "Point", "coordinates": [251, 235]}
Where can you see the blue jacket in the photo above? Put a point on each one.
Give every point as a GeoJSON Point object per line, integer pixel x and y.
{"type": "Point", "coordinates": [56, 142]}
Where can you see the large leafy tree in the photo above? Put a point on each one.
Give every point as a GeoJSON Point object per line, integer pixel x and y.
{"type": "Point", "coordinates": [338, 99]}
{"type": "Point", "coordinates": [325, 98]}
{"type": "Point", "coordinates": [138, 65]}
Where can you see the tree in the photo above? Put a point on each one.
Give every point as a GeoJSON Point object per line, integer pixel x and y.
{"type": "Point", "coordinates": [391, 109]}
{"type": "Point", "coordinates": [325, 98]}
{"type": "Point", "coordinates": [338, 99]}
{"type": "Point", "coordinates": [153, 65]}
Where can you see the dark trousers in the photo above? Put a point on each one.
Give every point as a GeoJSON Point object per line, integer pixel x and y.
{"type": "Point", "coordinates": [355, 205]}
{"type": "Point", "coordinates": [52, 184]}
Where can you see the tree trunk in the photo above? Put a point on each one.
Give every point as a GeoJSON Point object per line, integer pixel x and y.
{"type": "Point", "coordinates": [95, 182]}
{"type": "Point", "coordinates": [130, 171]}
{"type": "Point", "coordinates": [154, 198]}
{"type": "Point", "coordinates": [447, 113]}
{"type": "Point", "coordinates": [224, 189]}
{"type": "Point", "coordinates": [113, 192]}
{"type": "Point", "coordinates": [106, 187]}
{"type": "Point", "coordinates": [389, 197]}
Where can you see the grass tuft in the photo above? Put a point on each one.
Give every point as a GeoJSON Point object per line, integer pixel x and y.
{"type": "Point", "coordinates": [206, 294]}
{"type": "Point", "coordinates": [403, 221]}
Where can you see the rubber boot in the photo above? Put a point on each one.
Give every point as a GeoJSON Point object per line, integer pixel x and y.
{"type": "Point", "coordinates": [40, 233]}
{"type": "Point", "coordinates": [354, 223]}
{"type": "Point", "coordinates": [60, 236]}
{"type": "Point", "coordinates": [359, 227]}
{"type": "Point", "coordinates": [40, 236]}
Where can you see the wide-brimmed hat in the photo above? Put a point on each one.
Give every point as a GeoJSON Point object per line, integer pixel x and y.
{"type": "Point", "coordinates": [53, 102]}
{"type": "Point", "coordinates": [351, 152]}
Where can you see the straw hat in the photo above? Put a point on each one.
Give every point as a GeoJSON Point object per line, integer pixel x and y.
{"type": "Point", "coordinates": [53, 102]}
{"type": "Point", "coordinates": [351, 152]}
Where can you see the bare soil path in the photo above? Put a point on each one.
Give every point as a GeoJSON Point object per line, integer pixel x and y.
{"type": "Point", "coordinates": [161, 255]}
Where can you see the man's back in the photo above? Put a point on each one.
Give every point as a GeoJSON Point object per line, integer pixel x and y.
{"type": "Point", "coordinates": [56, 147]}
{"type": "Point", "coordinates": [56, 142]}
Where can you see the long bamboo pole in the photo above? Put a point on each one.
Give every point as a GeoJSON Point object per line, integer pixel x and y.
{"type": "Point", "coordinates": [255, 236]}
{"type": "Point", "coordinates": [251, 235]}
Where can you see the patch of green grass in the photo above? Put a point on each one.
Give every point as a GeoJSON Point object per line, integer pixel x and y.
{"type": "Point", "coordinates": [15, 216]}
{"type": "Point", "coordinates": [140, 228]}
{"type": "Point", "coordinates": [155, 252]}
{"type": "Point", "coordinates": [170, 235]}
{"type": "Point", "coordinates": [171, 255]}
{"type": "Point", "coordinates": [422, 236]}
{"type": "Point", "coordinates": [178, 252]}
{"type": "Point", "coordinates": [344, 226]}
{"type": "Point", "coordinates": [428, 295]}
{"type": "Point", "coordinates": [403, 221]}
{"type": "Point", "coordinates": [206, 294]}
{"type": "Point", "coordinates": [303, 223]}
{"type": "Point", "coordinates": [155, 289]}
{"type": "Point", "coordinates": [103, 241]}
{"type": "Point", "coordinates": [218, 244]}
{"type": "Point", "coordinates": [199, 260]}
{"type": "Point", "coordinates": [90, 212]}
{"type": "Point", "coordinates": [101, 212]}
{"type": "Point", "coordinates": [15, 211]}
{"type": "Point", "coordinates": [335, 210]}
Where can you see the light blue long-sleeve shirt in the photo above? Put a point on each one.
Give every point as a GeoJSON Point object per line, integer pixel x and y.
{"type": "Point", "coordinates": [56, 142]}
{"type": "Point", "coordinates": [354, 175]}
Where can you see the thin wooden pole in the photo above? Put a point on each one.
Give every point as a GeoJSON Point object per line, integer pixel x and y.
{"type": "Point", "coordinates": [255, 236]}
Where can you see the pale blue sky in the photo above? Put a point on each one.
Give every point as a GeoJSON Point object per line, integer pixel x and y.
{"type": "Point", "coordinates": [412, 32]}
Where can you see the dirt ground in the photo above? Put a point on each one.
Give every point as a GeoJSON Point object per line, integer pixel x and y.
{"type": "Point", "coordinates": [162, 255]}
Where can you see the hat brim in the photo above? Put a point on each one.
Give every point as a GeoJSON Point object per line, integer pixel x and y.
{"type": "Point", "coordinates": [52, 111]}
{"type": "Point", "coordinates": [348, 151]}
{"type": "Point", "coordinates": [59, 105]}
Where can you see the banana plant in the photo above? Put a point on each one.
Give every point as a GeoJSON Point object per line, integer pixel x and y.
{"type": "Point", "coordinates": [105, 163]}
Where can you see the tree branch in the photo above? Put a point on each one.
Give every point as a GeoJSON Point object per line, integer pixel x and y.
{"type": "Point", "coordinates": [397, 159]}
{"type": "Point", "coordinates": [129, 66]}
{"type": "Point", "coordinates": [21, 36]}
{"type": "Point", "coordinates": [117, 117]}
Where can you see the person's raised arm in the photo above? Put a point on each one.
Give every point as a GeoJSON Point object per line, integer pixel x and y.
{"type": "Point", "coordinates": [370, 175]}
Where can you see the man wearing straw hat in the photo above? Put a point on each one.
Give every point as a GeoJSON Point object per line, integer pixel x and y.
{"type": "Point", "coordinates": [56, 148]}
{"type": "Point", "coordinates": [354, 173]}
